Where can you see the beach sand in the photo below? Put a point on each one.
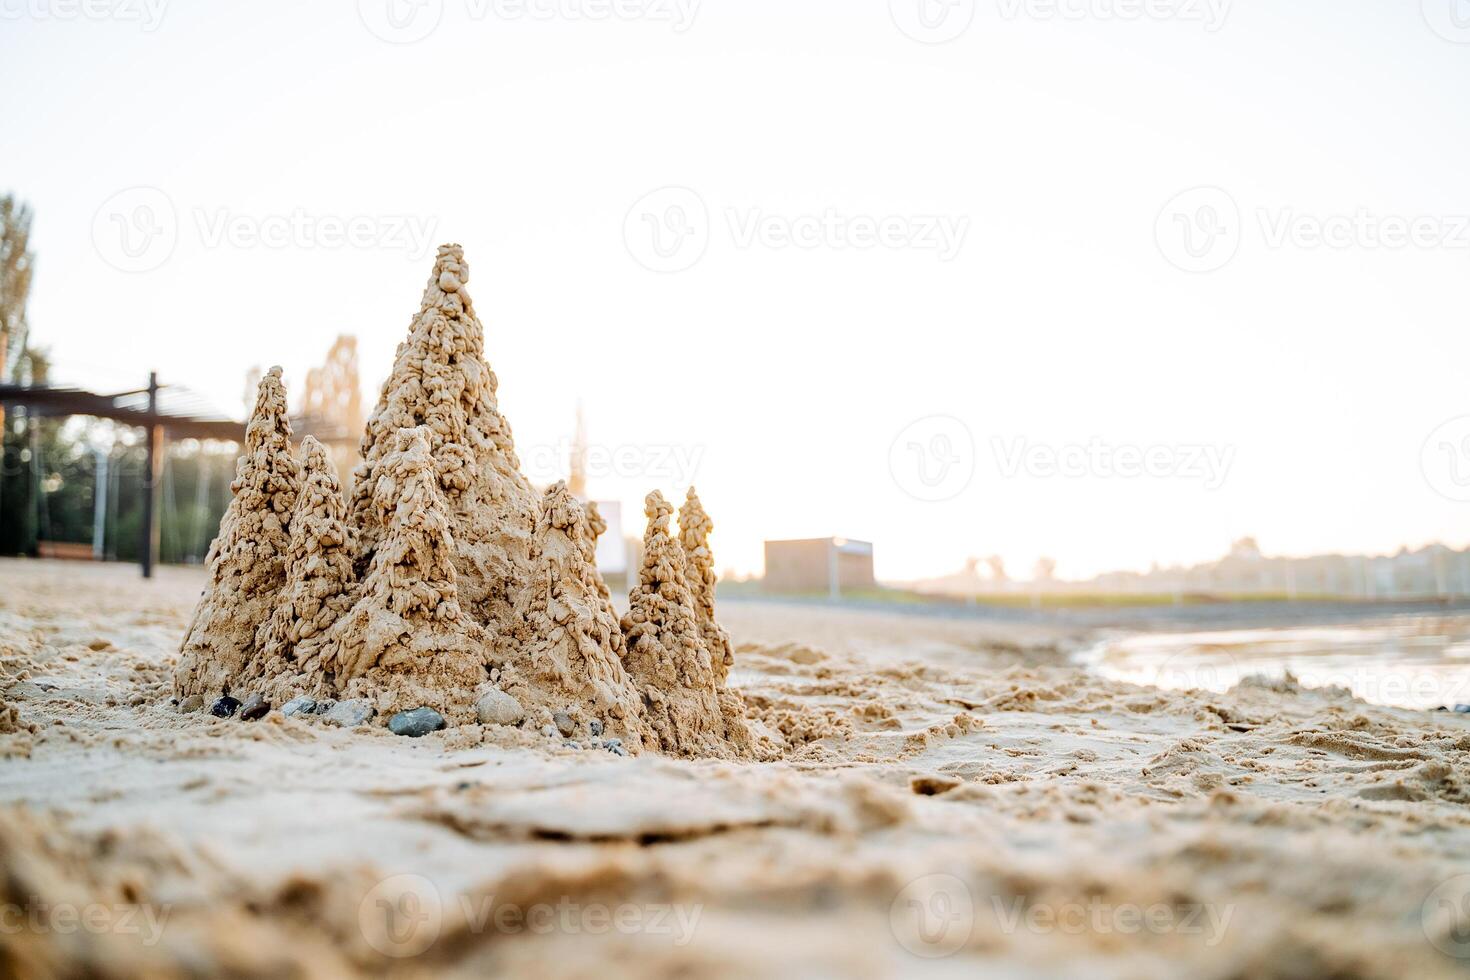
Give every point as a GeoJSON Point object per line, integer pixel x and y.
{"type": "Point", "coordinates": [959, 799]}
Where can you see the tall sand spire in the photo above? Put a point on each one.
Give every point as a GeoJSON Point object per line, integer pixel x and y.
{"type": "Point", "coordinates": [689, 709]}
{"type": "Point", "coordinates": [247, 561]}
{"type": "Point", "coordinates": [440, 381]}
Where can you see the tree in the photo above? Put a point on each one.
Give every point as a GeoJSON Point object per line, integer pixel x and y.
{"type": "Point", "coordinates": [32, 450]}
{"type": "Point", "coordinates": [16, 264]}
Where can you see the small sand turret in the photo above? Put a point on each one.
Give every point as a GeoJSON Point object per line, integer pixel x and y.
{"type": "Point", "coordinates": [571, 654]}
{"type": "Point", "coordinates": [687, 706]}
{"type": "Point", "coordinates": [699, 563]}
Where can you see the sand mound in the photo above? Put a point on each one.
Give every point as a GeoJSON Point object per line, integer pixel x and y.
{"type": "Point", "coordinates": [444, 579]}
{"type": "Point", "coordinates": [247, 561]}
{"type": "Point", "coordinates": [685, 700]}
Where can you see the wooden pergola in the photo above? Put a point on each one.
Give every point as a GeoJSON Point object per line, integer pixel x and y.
{"type": "Point", "coordinates": [164, 412]}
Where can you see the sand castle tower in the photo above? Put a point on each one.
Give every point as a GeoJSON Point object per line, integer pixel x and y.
{"type": "Point", "coordinates": [440, 381]}
{"type": "Point", "coordinates": [571, 652]}
{"type": "Point", "coordinates": [320, 583]}
{"type": "Point", "coordinates": [247, 561]}
{"type": "Point", "coordinates": [685, 702]}
{"type": "Point", "coordinates": [407, 642]}
{"type": "Point", "coordinates": [699, 564]}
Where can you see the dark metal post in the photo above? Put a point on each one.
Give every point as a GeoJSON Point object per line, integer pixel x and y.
{"type": "Point", "coordinates": [148, 552]}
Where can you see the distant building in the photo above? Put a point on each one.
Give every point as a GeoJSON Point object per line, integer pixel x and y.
{"type": "Point", "coordinates": [830, 565]}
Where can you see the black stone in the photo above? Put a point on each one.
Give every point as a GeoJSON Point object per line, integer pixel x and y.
{"type": "Point", "coordinates": [224, 707]}
{"type": "Point", "coordinates": [595, 727]}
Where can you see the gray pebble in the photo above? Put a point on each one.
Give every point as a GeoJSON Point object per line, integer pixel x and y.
{"type": "Point", "coordinates": [192, 703]}
{"type": "Point", "coordinates": [254, 707]}
{"type": "Point", "coordinates": [416, 723]}
{"type": "Point", "coordinates": [564, 723]}
{"type": "Point", "coordinates": [322, 707]}
{"type": "Point", "coordinates": [495, 707]}
{"type": "Point", "coordinates": [298, 706]}
{"type": "Point", "coordinates": [349, 714]}
{"type": "Point", "coordinates": [549, 731]}
{"type": "Point", "coordinates": [595, 727]}
{"type": "Point", "coordinates": [615, 746]}
{"type": "Point", "coordinates": [573, 745]}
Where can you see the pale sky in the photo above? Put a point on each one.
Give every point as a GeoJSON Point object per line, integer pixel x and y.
{"type": "Point", "coordinates": [990, 230]}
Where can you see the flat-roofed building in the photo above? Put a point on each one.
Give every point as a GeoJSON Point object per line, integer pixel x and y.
{"type": "Point", "coordinates": [830, 565]}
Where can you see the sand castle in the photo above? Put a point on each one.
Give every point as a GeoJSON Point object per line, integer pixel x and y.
{"type": "Point", "coordinates": [446, 579]}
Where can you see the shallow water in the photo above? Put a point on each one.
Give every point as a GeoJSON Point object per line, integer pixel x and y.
{"type": "Point", "coordinates": [1405, 661]}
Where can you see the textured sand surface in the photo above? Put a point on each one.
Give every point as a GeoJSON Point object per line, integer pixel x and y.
{"type": "Point", "coordinates": [957, 800]}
